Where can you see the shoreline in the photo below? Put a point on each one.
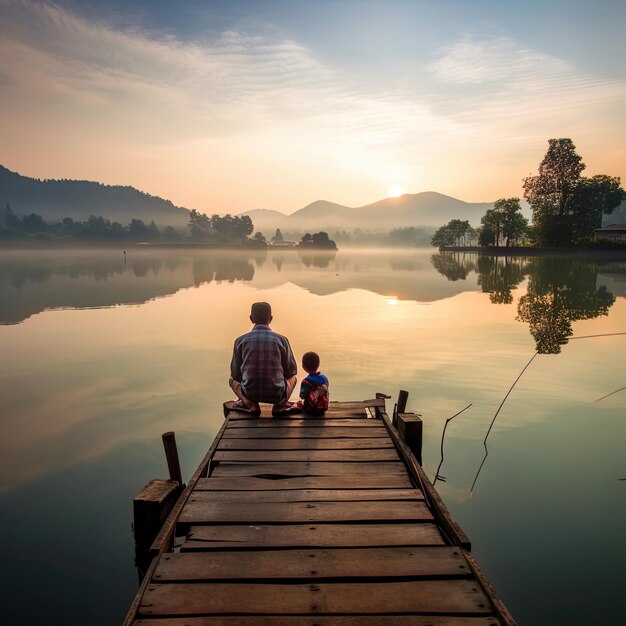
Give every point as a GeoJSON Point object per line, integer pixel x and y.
{"type": "Point", "coordinates": [523, 251]}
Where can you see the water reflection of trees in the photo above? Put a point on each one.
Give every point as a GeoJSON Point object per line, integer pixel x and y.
{"type": "Point", "coordinates": [454, 265]}
{"type": "Point", "coordinates": [498, 276]}
{"type": "Point", "coordinates": [230, 269]}
{"type": "Point", "coordinates": [560, 291]}
{"type": "Point", "coordinates": [319, 259]}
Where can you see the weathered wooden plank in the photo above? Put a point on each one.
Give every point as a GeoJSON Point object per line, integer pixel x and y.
{"type": "Point", "coordinates": [309, 495]}
{"type": "Point", "coordinates": [293, 443]}
{"type": "Point", "coordinates": [328, 432]}
{"type": "Point", "coordinates": [307, 535]}
{"type": "Point", "coordinates": [392, 481]}
{"type": "Point", "coordinates": [271, 456]}
{"type": "Point", "coordinates": [198, 511]}
{"type": "Point", "coordinates": [316, 564]}
{"type": "Point", "coordinates": [422, 596]}
{"type": "Point", "coordinates": [312, 468]}
{"type": "Point", "coordinates": [275, 422]}
{"type": "Point", "coordinates": [322, 620]}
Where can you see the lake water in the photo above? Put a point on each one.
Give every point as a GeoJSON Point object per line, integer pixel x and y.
{"type": "Point", "coordinates": [100, 355]}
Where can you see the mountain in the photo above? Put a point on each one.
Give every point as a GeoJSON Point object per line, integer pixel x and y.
{"type": "Point", "coordinates": [78, 199]}
{"type": "Point", "coordinates": [429, 209]}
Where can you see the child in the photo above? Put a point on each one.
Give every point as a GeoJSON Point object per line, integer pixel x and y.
{"type": "Point", "coordinates": [314, 388]}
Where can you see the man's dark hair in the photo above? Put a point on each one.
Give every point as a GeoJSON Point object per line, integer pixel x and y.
{"type": "Point", "coordinates": [311, 361]}
{"type": "Point", "coordinates": [261, 313]}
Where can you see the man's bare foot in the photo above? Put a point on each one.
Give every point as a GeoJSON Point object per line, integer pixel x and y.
{"type": "Point", "coordinates": [253, 407]}
{"type": "Point", "coordinates": [285, 408]}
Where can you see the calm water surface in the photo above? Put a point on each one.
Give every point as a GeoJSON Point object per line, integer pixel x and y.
{"type": "Point", "coordinates": [100, 356]}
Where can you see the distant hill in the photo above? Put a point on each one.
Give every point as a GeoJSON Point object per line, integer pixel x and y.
{"type": "Point", "coordinates": [78, 199]}
{"type": "Point", "coordinates": [428, 209]}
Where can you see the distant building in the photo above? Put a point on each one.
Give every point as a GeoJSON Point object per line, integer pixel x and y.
{"type": "Point", "coordinates": [615, 232]}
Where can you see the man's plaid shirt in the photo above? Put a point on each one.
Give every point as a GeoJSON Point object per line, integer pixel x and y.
{"type": "Point", "coordinates": [262, 360]}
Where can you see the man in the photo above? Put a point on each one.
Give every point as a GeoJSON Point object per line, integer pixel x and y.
{"type": "Point", "coordinates": [263, 368]}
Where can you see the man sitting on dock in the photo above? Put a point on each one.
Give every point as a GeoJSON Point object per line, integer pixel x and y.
{"type": "Point", "coordinates": [263, 367]}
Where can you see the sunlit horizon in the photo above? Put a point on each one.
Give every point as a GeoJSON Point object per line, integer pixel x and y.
{"type": "Point", "coordinates": [232, 106]}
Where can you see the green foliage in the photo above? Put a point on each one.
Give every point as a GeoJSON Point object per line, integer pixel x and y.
{"type": "Point", "coordinates": [96, 228]}
{"type": "Point", "coordinates": [319, 241]}
{"type": "Point", "coordinates": [278, 237]}
{"type": "Point", "coordinates": [503, 224]}
{"type": "Point", "coordinates": [565, 205]}
{"type": "Point", "coordinates": [454, 233]}
{"type": "Point", "coordinates": [226, 229]}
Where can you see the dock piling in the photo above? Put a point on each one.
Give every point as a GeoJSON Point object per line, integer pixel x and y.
{"type": "Point", "coordinates": [410, 428]}
{"type": "Point", "coordinates": [403, 398]}
{"type": "Point", "coordinates": [171, 454]}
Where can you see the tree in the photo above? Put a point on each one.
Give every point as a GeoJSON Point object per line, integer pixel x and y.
{"type": "Point", "coordinates": [278, 237]}
{"type": "Point", "coordinates": [454, 233]}
{"type": "Point", "coordinates": [200, 225]}
{"type": "Point", "coordinates": [170, 234]}
{"type": "Point", "coordinates": [260, 237]}
{"type": "Point", "coordinates": [10, 219]}
{"type": "Point", "coordinates": [565, 205]}
{"type": "Point", "coordinates": [34, 223]}
{"type": "Point", "coordinates": [138, 231]}
{"type": "Point", "coordinates": [504, 223]}
{"type": "Point", "coordinates": [598, 195]}
{"type": "Point", "coordinates": [319, 241]}
{"type": "Point", "coordinates": [153, 232]}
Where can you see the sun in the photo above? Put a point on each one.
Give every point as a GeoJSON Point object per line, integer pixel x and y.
{"type": "Point", "coordinates": [395, 190]}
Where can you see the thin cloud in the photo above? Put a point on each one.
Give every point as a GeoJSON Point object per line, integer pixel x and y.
{"type": "Point", "coordinates": [497, 79]}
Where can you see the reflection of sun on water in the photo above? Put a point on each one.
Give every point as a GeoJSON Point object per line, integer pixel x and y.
{"type": "Point", "coordinates": [395, 190]}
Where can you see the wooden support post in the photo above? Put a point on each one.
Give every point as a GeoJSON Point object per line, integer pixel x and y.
{"type": "Point", "coordinates": [380, 396]}
{"type": "Point", "coordinates": [171, 454]}
{"type": "Point", "coordinates": [403, 398]}
{"type": "Point", "coordinates": [410, 429]}
{"type": "Point", "coordinates": [151, 506]}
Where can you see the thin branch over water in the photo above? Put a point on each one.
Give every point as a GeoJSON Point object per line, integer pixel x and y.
{"type": "Point", "coordinates": [610, 394]}
{"type": "Point", "coordinates": [443, 435]}
{"type": "Point", "coordinates": [493, 421]}
{"type": "Point", "coordinates": [515, 383]}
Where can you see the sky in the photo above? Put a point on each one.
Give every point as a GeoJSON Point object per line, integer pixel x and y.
{"type": "Point", "coordinates": [228, 106]}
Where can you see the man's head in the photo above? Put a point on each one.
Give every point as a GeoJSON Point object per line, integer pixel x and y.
{"type": "Point", "coordinates": [310, 362]}
{"type": "Point", "coordinates": [261, 313]}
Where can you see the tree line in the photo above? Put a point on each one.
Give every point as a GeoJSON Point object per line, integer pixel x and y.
{"type": "Point", "coordinates": [215, 230]}
{"type": "Point", "coordinates": [566, 207]}
{"type": "Point", "coordinates": [93, 229]}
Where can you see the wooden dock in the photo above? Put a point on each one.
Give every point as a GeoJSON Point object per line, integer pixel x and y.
{"type": "Point", "coordinates": [318, 521]}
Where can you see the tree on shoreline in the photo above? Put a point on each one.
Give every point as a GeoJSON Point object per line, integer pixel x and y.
{"type": "Point", "coordinates": [566, 206]}
{"type": "Point", "coordinates": [504, 223]}
{"type": "Point", "coordinates": [226, 229]}
{"type": "Point", "coordinates": [454, 233]}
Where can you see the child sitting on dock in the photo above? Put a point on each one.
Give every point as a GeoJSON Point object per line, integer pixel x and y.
{"type": "Point", "coordinates": [314, 388]}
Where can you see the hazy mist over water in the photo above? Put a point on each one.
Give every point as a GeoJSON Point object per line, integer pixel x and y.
{"type": "Point", "coordinates": [102, 354]}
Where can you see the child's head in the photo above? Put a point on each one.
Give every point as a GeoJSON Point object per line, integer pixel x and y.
{"type": "Point", "coordinates": [311, 362]}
